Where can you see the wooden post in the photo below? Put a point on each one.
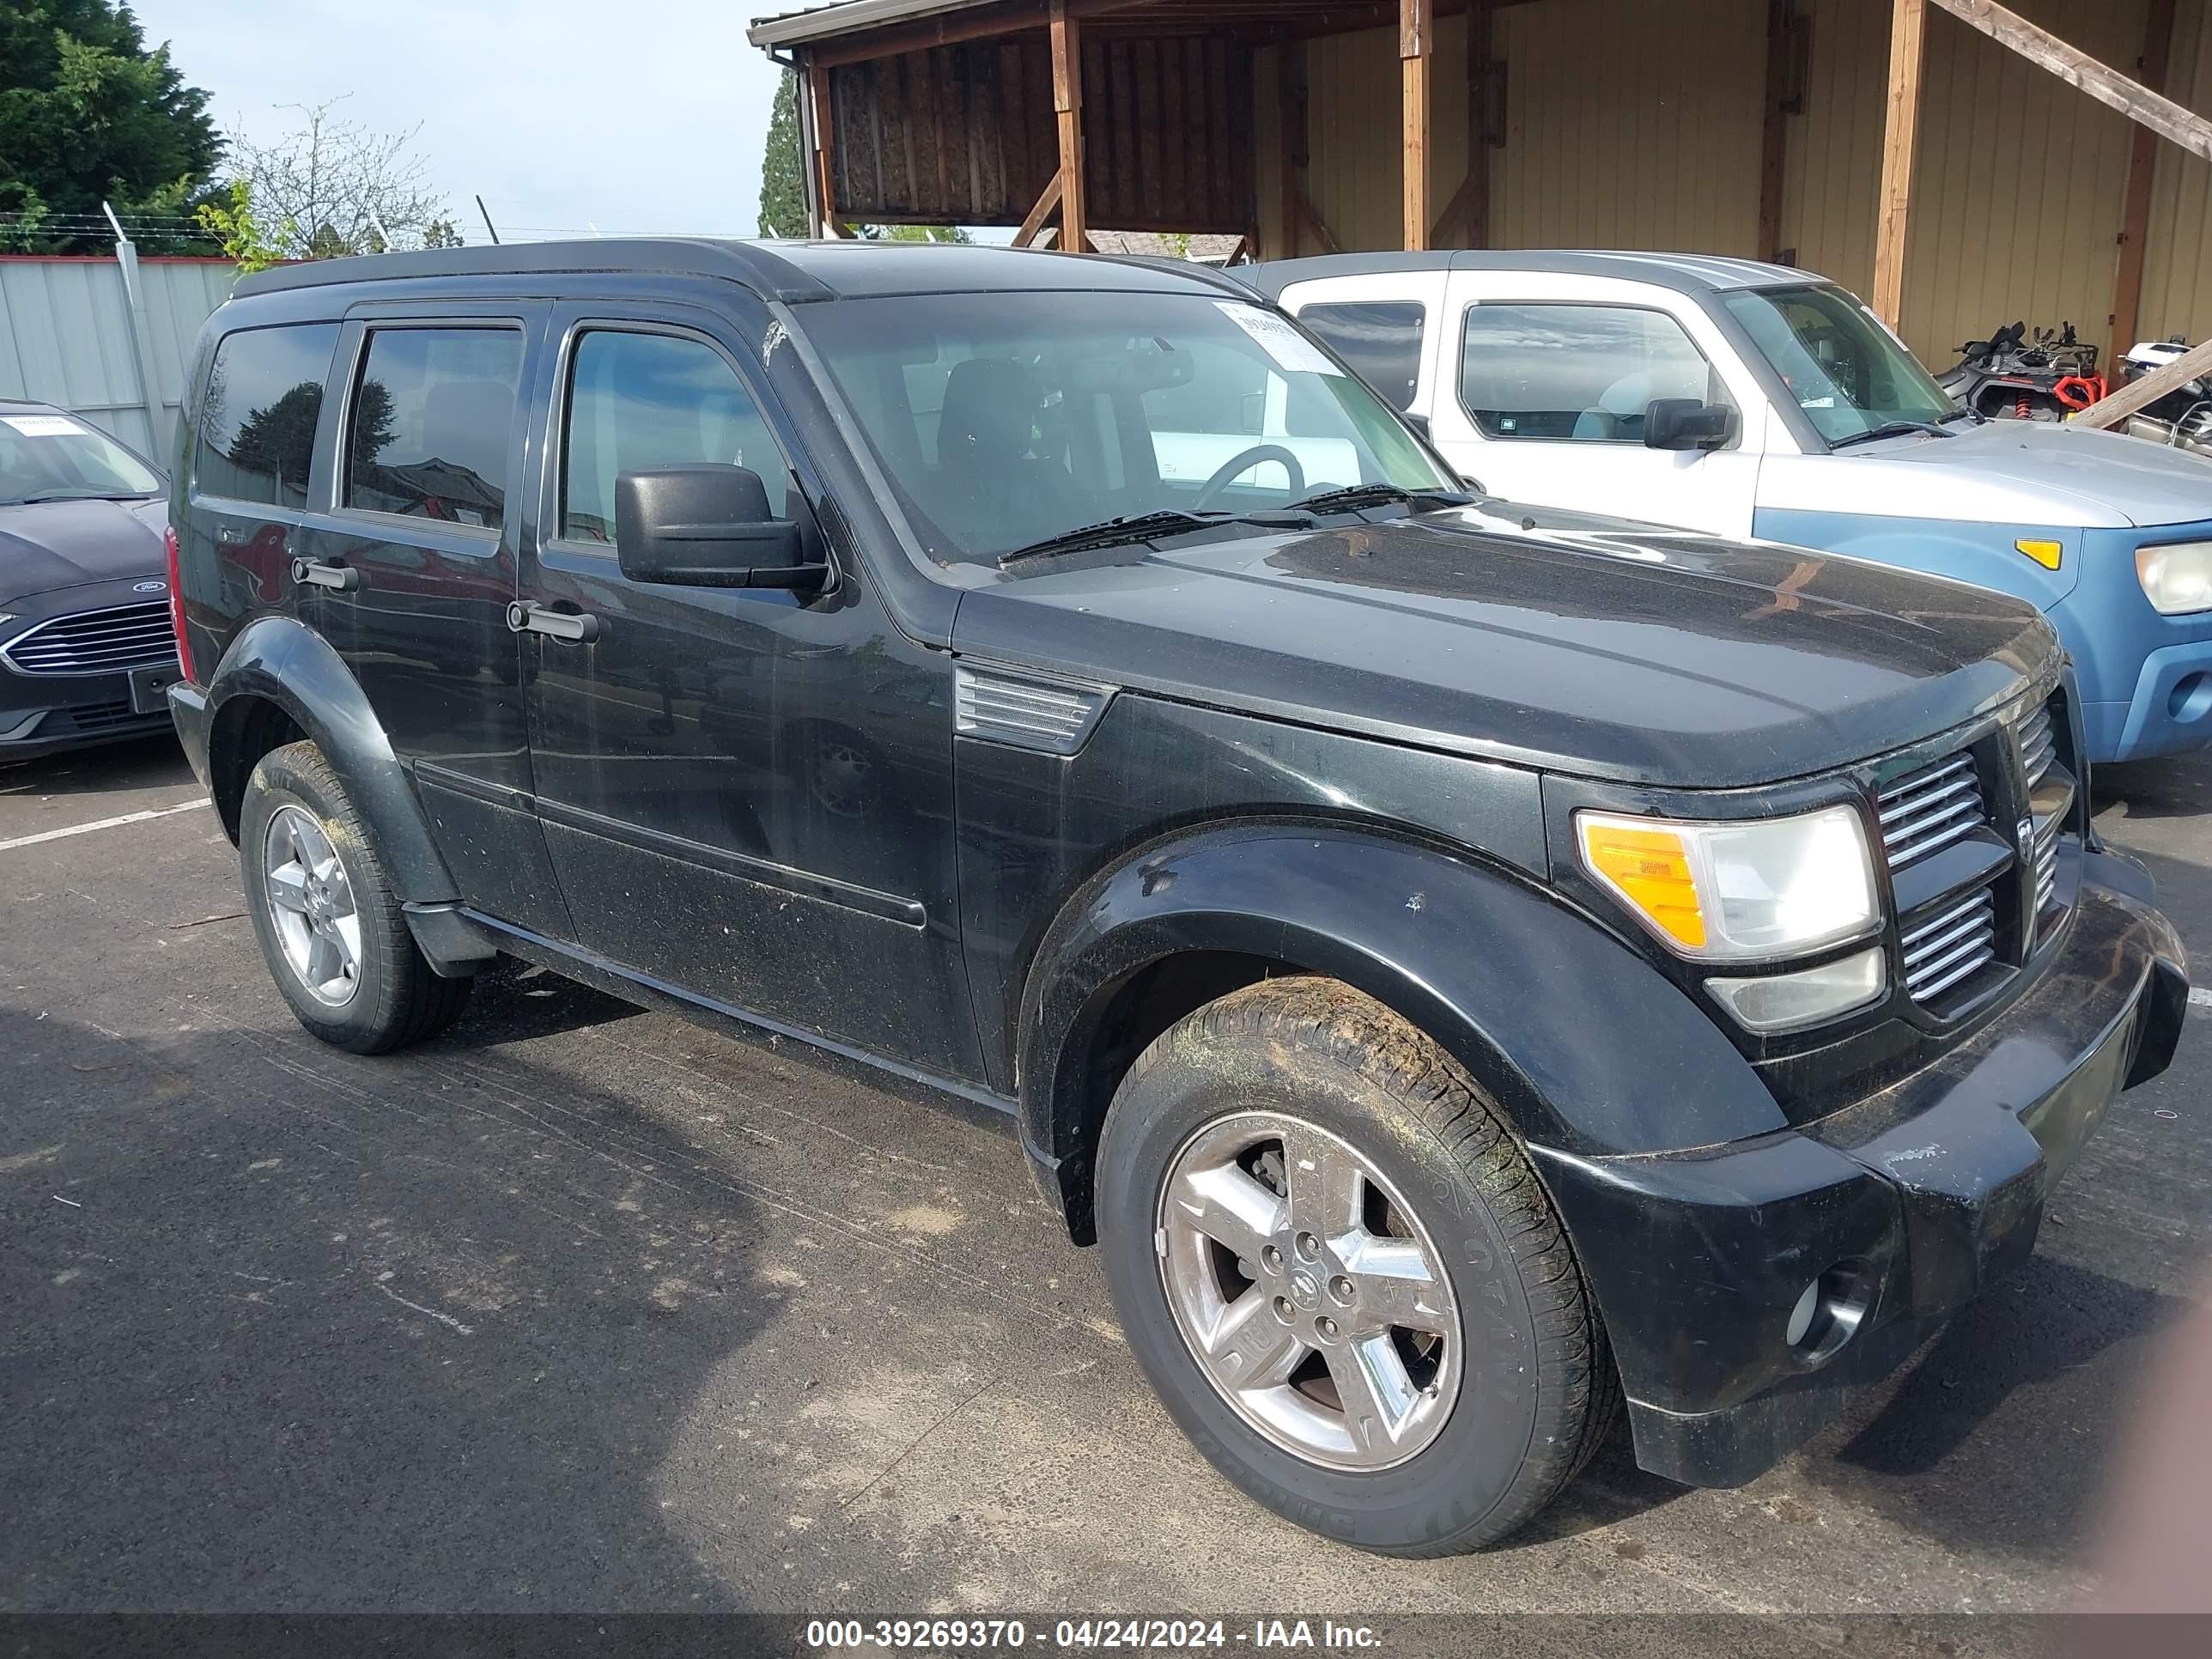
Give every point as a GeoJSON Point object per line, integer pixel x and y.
{"type": "Point", "coordinates": [1417, 29]}
{"type": "Point", "coordinates": [1033, 222]}
{"type": "Point", "coordinates": [1477, 187]}
{"type": "Point", "coordinates": [825, 172]}
{"type": "Point", "coordinates": [1774, 140]}
{"type": "Point", "coordinates": [1907, 41]}
{"type": "Point", "coordinates": [1290, 101]}
{"type": "Point", "coordinates": [1067, 105]}
{"type": "Point", "coordinates": [2142, 171]}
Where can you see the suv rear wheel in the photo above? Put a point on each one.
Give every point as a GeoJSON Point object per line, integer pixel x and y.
{"type": "Point", "coordinates": [330, 924]}
{"type": "Point", "coordinates": [1342, 1275]}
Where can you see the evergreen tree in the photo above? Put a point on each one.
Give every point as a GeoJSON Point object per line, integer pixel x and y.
{"type": "Point", "coordinates": [89, 114]}
{"type": "Point", "coordinates": [783, 181]}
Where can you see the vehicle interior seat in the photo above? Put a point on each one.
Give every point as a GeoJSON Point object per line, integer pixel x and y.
{"type": "Point", "coordinates": [1619, 416]}
{"type": "Point", "coordinates": [997, 489]}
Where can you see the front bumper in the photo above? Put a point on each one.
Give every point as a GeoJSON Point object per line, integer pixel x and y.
{"type": "Point", "coordinates": [1907, 1204]}
{"type": "Point", "coordinates": [2146, 679]}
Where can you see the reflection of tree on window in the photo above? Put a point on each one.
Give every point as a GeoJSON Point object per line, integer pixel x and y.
{"type": "Point", "coordinates": [430, 423]}
{"type": "Point", "coordinates": [275, 376]}
{"type": "Point", "coordinates": [278, 440]}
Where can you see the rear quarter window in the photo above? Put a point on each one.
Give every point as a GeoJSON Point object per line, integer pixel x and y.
{"type": "Point", "coordinates": [1380, 339]}
{"type": "Point", "coordinates": [257, 413]}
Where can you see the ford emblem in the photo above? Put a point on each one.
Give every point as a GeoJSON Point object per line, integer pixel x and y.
{"type": "Point", "coordinates": [149, 587]}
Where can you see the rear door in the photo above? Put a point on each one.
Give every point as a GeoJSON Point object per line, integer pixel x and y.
{"type": "Point", "coordinates": [411, 568]}
{"type": "Point", "coordinates": [1544, 379]}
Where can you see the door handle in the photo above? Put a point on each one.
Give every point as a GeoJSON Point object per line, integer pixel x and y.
{"type": "Point", "coordinates": [569, 627]}
{"type": "Point", "coordinates": [313, 573]}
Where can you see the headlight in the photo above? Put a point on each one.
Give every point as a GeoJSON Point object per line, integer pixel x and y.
{"type": "Point", "coordinates": [1733, 892]}
{"type": "Point", "coordinates": [2176, 577]}
{"type": "Point", "coordinates": [1786, 1002]}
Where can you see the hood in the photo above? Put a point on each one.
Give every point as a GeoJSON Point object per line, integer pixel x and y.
{"type": "Point", "coordinates": [1573, 642]}
{"type": "Point", "coordinates": [2005, 472]}
{"type": "Point", "coordinates": [66, 543]}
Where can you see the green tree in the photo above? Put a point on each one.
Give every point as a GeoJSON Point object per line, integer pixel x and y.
{"type": "Point", "coordinates": [89, 114]}
{"type": "Point", "coordinates": [783, 178]}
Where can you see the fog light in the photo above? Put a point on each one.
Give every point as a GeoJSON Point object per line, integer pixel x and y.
{"type": "Point", "coordinates": [1786, 1002]}
{"type": "Point", "coordinates": [1801, 1316]}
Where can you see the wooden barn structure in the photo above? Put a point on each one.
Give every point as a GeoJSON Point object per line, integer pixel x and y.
{"type": "Point", "coordinates": [1960, 163]}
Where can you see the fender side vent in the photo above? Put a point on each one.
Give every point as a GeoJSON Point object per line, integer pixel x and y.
{"type": "Point", "coordinates": [1052, 716]}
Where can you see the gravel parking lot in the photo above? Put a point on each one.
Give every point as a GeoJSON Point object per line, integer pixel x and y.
{"type": "Point", "coordinates": [580, 1308]}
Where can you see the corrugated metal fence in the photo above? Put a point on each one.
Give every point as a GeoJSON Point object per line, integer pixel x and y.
{"type": "Point", "coordinates": [70, 335]}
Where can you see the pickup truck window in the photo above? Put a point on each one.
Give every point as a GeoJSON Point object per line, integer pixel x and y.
{"type": "Point", "coordinates": [1581, 373]}
{"type": "Point", "coordinates": [256, 435]}
{"type": "Point", "coordinates": [1380, 338]}
{"type": "Point", "coordinates": [1003, 419]}
{"type": "Point", "coordinates": [429, 433]}
{"type": "Point", "coordinates": [1847, 372]}
{"type": "Point", "coordinates": [639, 400]}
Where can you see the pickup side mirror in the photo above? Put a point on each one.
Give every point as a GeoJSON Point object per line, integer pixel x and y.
{"type": "Point", "coordinates": [708, 526]}
{"type": "Point", "coordinates": [1685, 424]}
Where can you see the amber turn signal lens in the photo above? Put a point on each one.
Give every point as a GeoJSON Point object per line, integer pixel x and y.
{"type": "Point", "coordinates": [1651, 868]}
{"type": "Point", "coordinates": [2046, 554]}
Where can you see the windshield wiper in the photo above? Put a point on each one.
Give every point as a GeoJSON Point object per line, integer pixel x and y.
{"type": "Point", "coordinates": [1143, 527]}
{"type": "Point", "coordinates": [77, 496]}
{"type": "Point", "coordinates": [1352, 496]}
{"type": "Point", "coordinates": [1891, 429]}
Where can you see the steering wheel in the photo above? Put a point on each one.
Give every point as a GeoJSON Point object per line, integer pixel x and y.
{"type": "Point", "coordinates": [1244, 462]}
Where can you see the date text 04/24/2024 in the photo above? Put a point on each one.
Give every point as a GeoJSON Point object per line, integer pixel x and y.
{"type": "Point", "coordinates": [1159, 1634]}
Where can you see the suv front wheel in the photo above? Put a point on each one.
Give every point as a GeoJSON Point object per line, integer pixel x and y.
{"type": "Point", "coordinates": [1342, 1275]}
{"type": "Point", "coordinates": [331, 926]}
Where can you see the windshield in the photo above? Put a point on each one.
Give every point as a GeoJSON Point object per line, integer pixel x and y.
{"type": "Point", "coordinates": [54, 457]}
{"type": "Point", "coordinates": [1846, 371]}
{"type": "Point", "coordinates": [1003, 419]}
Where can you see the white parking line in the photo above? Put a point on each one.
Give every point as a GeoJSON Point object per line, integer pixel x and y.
{"type": "Point", "coordinates": [101, 823]}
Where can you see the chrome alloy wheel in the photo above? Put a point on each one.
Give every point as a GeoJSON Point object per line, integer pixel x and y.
{"type": "Point", "coordinates": [310, 905]}
{"type": "Point", "coordinates": [1308, 1291]}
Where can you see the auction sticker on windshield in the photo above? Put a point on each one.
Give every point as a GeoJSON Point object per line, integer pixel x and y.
{"type": "Point", "coordinates": [42, 426]}
{"type": "Point", "coordinates": [1289, 348]}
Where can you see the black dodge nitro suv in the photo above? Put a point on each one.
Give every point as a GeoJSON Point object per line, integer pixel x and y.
{"type": "Point", "coordinates": [1466, 964]}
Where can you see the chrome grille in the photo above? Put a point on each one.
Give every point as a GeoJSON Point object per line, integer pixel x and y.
{"type": "Point", "coordinates": [2046, 863]}
{"type": "Point", "coordinates": [96, 641]}
{"type": "Point", "coordinates": [1940, 953]}
{"type": "Point", "coordinates": [1930, 809]}
{"type": "Point", "coordinates": [2036, 748]}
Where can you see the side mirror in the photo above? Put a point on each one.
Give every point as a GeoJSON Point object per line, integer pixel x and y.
{"type": "Point", "coordinates": [1685, 424]}
{"type": "Point", "coordinates": [706, 525]}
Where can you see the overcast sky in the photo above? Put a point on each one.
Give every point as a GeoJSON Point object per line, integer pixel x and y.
{"type": "Point", "coordinates": [632, 115]}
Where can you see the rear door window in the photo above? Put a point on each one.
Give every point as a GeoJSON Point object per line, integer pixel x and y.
{"type": "Point", "coordinates": [431, 418]}
{"type": "Point", "coordinates": [638, 400]}
{"type": "Point", "coordinates": [257, 413]}
{"type": "Point", "coordinates": [1583, 373]}
{"type": "Point", "coordinates": [1380, 339]}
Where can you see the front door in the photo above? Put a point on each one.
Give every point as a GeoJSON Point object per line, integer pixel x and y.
{"type": "Point", "coordinates": [1545, 383]}
{"type": "Point", "coordinates": [748, 792]}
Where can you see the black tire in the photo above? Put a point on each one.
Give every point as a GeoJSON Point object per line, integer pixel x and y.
{"type": "Point", "coordinates": [1340, 1061]}
{"type": "Point", "coordinates": [399, 1000]}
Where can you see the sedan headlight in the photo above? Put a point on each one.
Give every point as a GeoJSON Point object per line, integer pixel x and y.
{"type": "Point", "coordinates": [1735, 892]}
{"type": "Point", "coordinates": [2177, 578]}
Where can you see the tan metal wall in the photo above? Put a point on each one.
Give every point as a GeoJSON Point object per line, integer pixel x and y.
{"type": "Point", "coordinates": [1631, 126]}
{"type": "Point", "coordinates": [1638, 125]}
{"type": "Point", "coordinates": [2178, 257]}
{"type": "Point", "coordinates": [2018, 190]}
{"type": "Point", "coordinates": [1627, 125]}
